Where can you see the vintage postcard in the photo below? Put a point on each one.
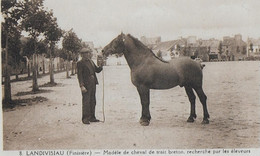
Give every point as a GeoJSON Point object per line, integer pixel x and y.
{"type": "Point", "coordinates": [130, 77]}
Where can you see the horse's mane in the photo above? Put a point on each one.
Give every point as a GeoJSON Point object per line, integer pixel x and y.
{"type": "Point", "coordinates": [139, 44]}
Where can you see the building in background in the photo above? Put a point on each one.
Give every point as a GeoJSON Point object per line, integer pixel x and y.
{"type": "Point", "coordinates": [169, 49]}
{"type": "Point", "coordinates": [234, 48]}
{"type": "Point", "coordinates": [150, 42]}
{"type": "Point", "coordinates": [211, 47]}
{"type": "Point", "coordinates": [192, 41]}
{"type": "Point", "coordinates": [253, 47]}
{"type": "Point", "coordinates": [211, 44]}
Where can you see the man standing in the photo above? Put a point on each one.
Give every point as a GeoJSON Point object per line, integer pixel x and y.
{"type": "Point", "coordinates": [87, 69]}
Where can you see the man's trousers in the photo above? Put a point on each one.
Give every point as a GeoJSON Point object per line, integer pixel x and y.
{"type": "Point", "coordinates": [89, 101]}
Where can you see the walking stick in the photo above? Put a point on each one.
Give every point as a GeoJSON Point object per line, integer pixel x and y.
{"type": "Point", "coordinates": [103, 97]}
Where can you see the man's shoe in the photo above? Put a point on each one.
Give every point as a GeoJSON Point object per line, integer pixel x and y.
{"type": "Point", "coordinates": [94, 120]}
{"type": "Point", "coordinates": [85, 121]}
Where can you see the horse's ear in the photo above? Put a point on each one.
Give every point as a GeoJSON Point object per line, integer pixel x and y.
{"type": "Point", "coordinates": [123, 36]}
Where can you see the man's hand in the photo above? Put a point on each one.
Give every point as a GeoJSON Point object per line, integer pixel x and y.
{"type": "Point", "coordinates": [83, 89]}
{"type": "Point", "coordinates": [101, 64]}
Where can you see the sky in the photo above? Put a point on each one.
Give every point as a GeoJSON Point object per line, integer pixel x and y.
{"type": "Point", "coordinates": [101, 21]}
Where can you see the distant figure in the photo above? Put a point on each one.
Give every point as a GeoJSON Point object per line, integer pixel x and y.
{"type": "Point", "coordinates": [87, 81]}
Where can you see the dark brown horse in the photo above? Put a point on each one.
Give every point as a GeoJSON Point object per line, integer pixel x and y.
{"type": "Point", "coordinates": [150, 72]}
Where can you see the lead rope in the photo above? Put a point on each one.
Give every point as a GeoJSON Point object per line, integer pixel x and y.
{"type": "Point", "coordinates": [103, 98]}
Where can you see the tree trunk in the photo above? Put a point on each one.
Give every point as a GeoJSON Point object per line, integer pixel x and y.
{"type": "Point", "coordinates": [58, 64]}
{"type": "Point", "coordinates": [76, 71]}
{"type": "Point", "coordinates": [51, 65]}
{"type": "Point", "coordinates": [43, 65]}
{"type": "Point", "coordinates": [34, 75]}
{"type": "Point", "coordinates": [61, 64]}
{"type": "Point", "coordinates": [72, 68]}
{"type": "Point", "coordinates": [7, 84]}
{"type": "Point", "coordinates": [17, 75]}
{"type": "Point", "coordinates": [67, 68]}
{"type": "Point", "coordinates": [51, 71]}
{"type": "Point", "coordinates": [37, 64]}
{"type": "Point", "coordinates": [17, 69]}
{"type": "Point", "coordinates": [28, 68]}
{"type": "Point", "coordinates": [7, 87]}
{"type": "Point", "coordinates": [35, 83]}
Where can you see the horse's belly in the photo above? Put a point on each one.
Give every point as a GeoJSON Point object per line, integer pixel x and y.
{"type": "Point", "coordinates": [165, 82]}
{"type": "Point", "coordinates": [162, 76]}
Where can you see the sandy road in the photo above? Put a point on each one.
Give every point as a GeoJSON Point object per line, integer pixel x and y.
{"type": "Point", "coordinates": [232, 88]}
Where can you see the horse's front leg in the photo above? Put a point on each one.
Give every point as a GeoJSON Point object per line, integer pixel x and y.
{"type": "Point", "coordinates": [144, 93]}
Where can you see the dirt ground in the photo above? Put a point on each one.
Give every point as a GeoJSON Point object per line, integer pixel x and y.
{"type": "Point", "coordinates": [51, 119]}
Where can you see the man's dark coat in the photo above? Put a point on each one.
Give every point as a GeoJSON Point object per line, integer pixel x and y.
{"type": "Point", "coordinates": [86, 71]}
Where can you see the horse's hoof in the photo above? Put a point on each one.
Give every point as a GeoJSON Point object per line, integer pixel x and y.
{"type": "Point", "coordinates": [190, 119]}
{"type": "Point", "coordinates": [205, 121]}
{"type": "Point", "coordinates": [144, 122]}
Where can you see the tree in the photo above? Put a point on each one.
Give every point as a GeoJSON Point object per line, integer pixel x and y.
{"type": "Point", "coordinates": [251, 47]}
{"type": "Point", "coordinates": [42, 48]}
{"type": "Point", "coordinates": [209, 50]}
{"type": "Point", "coordinates": [238, 49]}
{"type": "Point", "coordinates": [53, 34]}
{"type": "Point", "coordinates": [244, 50]}
{"type": "Point", "coordinates": [184, 51]}
{"type": "Point", "coordinates": [24, 49]}
{"type": "Point", "coordinates": [14, 47]}
{"type": "Point", "coordinates": [35, 22]}
{"type": "Point", "coordinates": [72, 44]}
{"type": "Point", "coordinates": [28, 49]}
{"type": "Point", "coordinates": [11, 12]}
{"type": "Point", "coordinates": [67, 56]}
{"type": "Point", "coordinates": [220, 48]}
{"type": "Point", "coordinates": [187, 51]}
{"type": "Point", "coordinates": [57, 53]}
{"type": "Point", "coordinates": [196, 53]}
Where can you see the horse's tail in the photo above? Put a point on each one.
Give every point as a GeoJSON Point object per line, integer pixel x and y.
{"type": "Point", "coordinates": [202, 66]}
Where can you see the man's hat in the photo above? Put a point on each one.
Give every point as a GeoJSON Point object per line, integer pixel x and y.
{"type": "Point", "coordinates": [85, 50]}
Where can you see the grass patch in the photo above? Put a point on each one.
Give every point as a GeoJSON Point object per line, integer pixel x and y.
{"type": "Point", "coordinates": [31, 92]}
{"type": "Point", "coordinates": [51, 85]}
{"type": "Point", "coordinates": [23, 102]}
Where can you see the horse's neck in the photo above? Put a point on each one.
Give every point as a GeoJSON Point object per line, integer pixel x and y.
{"type": "Point", "coordinates": [132, 59]}
{"type": "Point", "coordinates": [136, 55]}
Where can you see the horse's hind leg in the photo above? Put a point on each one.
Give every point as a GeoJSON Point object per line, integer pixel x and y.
{"type": "Point", "coordinates": [145, 101]}
{"type": "Point", "coordinates": [203, 100]}
{"type": "Point", "coordinates": [192, 99]}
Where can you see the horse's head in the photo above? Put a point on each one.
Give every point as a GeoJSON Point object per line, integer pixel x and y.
{"type": "Point", "coordinates": [116, 46]}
